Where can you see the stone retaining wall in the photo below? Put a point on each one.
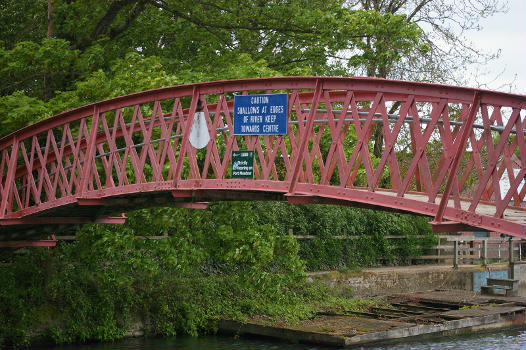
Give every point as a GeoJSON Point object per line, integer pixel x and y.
{"type": "Point", "coordinates": [380, 281]}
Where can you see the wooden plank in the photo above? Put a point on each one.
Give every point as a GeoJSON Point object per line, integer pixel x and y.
{"type": "Point", "coordinates": [503, 282]}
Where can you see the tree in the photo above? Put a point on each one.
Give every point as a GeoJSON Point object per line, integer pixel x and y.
{"type": "Point", "coordinates": [444, 24]}
{"type": "Point", "coordinates": [22, 20]}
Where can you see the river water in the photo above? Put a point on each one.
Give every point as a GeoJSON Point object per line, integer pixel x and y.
{"type": "Point", "coordinates": [509, 339]}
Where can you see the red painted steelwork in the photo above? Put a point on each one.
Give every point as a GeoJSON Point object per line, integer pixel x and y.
{"type": "Point", "coordinates": [29, 243]}
{"type": "Point", "coordinates": [42, 220]}
{"type": "Point", "coordinates": [445, 153]}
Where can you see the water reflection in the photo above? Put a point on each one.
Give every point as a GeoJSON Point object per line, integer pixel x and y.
{"type": "Point", "coordinates": [511, 339]}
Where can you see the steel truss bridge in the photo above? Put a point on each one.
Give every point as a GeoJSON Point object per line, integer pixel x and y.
{"type": "Point", "coordinates": [455, 154]}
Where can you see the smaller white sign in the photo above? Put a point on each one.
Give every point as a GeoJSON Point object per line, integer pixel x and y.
{"type": "Point", "coordinates": [199, 135]}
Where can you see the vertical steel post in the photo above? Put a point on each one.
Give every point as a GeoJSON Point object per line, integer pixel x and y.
{"type": "Point", "coordinates": [510, 249]}
{"type": "Point", "coordinates": [455, 259]}
{"type": "Point", "coordinates": [511, 274]}
{"type": "Point", "coordinates": [484, 252]}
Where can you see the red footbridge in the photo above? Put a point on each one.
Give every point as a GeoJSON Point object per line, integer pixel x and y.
{"type": "Point", "coordinates": [456, 155]}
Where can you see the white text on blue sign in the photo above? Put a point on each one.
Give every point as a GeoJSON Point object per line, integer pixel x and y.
{"type": "Point", "coordinates": [260, 114]}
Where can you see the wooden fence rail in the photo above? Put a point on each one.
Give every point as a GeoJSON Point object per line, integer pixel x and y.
{"type": "Point", "coordinates": [456, 249]}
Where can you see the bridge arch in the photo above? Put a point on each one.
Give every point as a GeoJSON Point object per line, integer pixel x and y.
{"type": "Point", "coordinates": [446, 153]}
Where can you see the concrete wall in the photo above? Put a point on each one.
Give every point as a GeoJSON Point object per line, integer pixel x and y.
{"type": "Point", "coordinates": [381, 281]}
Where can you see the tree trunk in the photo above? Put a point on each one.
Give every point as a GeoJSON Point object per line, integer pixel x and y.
{"type": "Point", "coordinates": [49, 18]}
{"type": "Point", "coordinates": [47, 77]}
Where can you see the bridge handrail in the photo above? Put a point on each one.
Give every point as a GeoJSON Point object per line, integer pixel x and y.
{"type": "Point", "coordinates": [462, 95]}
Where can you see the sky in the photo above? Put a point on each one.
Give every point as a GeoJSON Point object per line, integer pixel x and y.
{"type": "Point", "coordinates": [507, 32]}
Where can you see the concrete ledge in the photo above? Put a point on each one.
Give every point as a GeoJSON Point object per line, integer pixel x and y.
{"type": "Point", "coordinates": [421, 330]}
{"type": "Point", "coordinates": [238, 328]}
{"type": "Point", "coordinates": [460, 315]}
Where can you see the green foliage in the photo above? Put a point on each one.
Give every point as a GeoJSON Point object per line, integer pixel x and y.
{"type": "Point", "coordinates": [388, 38]}
{"type": "Point", "coordinates": [18, 110]}
{"type": "Point", "coordinates": [37, 69]}
{"type": "Point", "coordinates": [348, 237]}
{"type": "Point", "coordinates": [22, 20]}
{"type": "Point", "coordinates": [126, 75]}
{"type": "Point", "coordinates": [97, 286]}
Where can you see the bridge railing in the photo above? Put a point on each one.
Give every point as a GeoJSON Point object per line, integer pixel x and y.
{"type": "Point", "coordinates": [449, 147]}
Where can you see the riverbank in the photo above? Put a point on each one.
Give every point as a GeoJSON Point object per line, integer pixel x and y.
{"type": "Point", "coordinates": [445, 300]}
{"type": "Point", "coordinates": [410, 315]}
{"type": "Point", "coordinates": [88, 291]}
{"type": "Point", "coordinates": [358, 313]}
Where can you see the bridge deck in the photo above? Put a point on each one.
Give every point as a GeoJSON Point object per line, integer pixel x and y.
{"type": "Point", "coordinates": [515, 215]}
